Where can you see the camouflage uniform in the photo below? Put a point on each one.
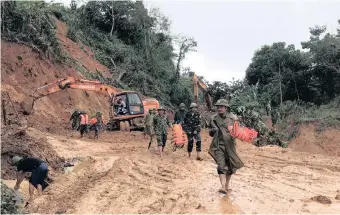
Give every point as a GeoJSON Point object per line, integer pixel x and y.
{"type": "Point", "coordinates": [192, 126]}
{"type": "Point", "coordinates": [161, 124]}
{"type": "Point", "coordinates": [75, 117]}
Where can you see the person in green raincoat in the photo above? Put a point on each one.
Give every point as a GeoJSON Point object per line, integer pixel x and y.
{"type": "Point", "coordinates": [222, 148]}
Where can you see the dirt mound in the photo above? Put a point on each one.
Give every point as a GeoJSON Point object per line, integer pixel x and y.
{"type": "Point", "coordinates": [20, 77]}
{"type": "Point", "coordinates": [322, 199]}
{"type": "Point", "coordinates": [18, 142]}
{"type": "Point", "coordinates": [327, 142]}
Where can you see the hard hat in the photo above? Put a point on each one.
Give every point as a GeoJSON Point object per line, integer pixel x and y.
{"type": "Point", "coordinates": [16, 159]}
{"type": "Point", "coordinates": [222, 102]}
{"type": "Point", "coordinates": [161, 108]}
{"type": "Point", "coordinates": [193, 105]}
{"type": "Point", "coordinates": [182, 105]}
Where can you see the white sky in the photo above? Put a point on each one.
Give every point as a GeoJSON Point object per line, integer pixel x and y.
{"type": "Point", "coordinates": [228, 32]}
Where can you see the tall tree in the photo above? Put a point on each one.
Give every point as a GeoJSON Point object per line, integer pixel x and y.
{"type": "Point", "coordinates": [186, 45]}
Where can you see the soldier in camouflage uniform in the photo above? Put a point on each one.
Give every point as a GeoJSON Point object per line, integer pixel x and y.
{"type": "Point", "coordinates": [75, 117]}
{"type": "Point", "coordinates": [161, 123]}
{"type": "Point", "coordinates": [192, 126]}
{"type": "Point", "coordinates": [180, 115]}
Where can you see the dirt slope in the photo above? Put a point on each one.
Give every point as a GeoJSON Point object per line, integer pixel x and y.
{"type": "Point", "coordinates": [120, 172]}
{"type": "Point", "coordinates": [23, 71]}
{"type": "Point", "coordinates": [327, 142]}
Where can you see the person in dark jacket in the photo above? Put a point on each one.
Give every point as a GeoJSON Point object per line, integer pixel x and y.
{"type": "Point", "coordinates": [192, 127]}
{"type": "Point", "coordinates": [180, 115]}
{"type": "Point", "coordinates": [37, 167]}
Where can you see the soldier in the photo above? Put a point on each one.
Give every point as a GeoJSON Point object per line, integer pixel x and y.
{"type": "Point", "coordinates": [192, 126]}
{"type": "Point", "coordinates": [222, 148]}
{"type": "Point", "coordinates": [180, 115]}
{"type": "Point", "coordinates": [161, 124]}
{"type": "Point", "coordinates": [84, 121]}
{"type": "Point", "coordinates": [149, 130]}
{"type": "Point", "coordinates": [75, 119]}
{"type": "Point", "coordinates": [96, 124]}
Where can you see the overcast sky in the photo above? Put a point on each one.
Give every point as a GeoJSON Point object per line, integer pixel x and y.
{"type": "Point", "coordinates": [228, 32]}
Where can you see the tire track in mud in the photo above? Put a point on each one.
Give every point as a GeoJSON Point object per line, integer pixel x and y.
{"type": "Point", "coordinates": [122, 176]}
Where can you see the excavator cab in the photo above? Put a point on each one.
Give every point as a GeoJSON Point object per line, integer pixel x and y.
{"type": "Point", "coordinates": [127, 103]}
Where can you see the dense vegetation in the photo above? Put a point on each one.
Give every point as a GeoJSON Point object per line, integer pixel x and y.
{"type": "Point", "coordinates": [138, 47]}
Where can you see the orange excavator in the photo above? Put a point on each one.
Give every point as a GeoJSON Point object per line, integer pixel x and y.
{"type": "Point", "coordinates": [136, 106]}
{"type": "Point", "coordinates": [206, 112]}
{"type": "Point", "coordinates": [203, 87]}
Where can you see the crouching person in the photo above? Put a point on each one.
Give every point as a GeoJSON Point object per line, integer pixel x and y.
{"type": "Point", "coordinates": [37, 167]}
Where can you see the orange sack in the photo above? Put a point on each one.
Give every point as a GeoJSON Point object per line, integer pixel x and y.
{"type": "Point", "coordinates": [179, 137]}
{"type": "Point", "coordinates": [242, 133]}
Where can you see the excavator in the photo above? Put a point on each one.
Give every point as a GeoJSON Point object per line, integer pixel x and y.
{"type": "Point", "coordinates": [137, 105]}
{"type": "Point", "coordinates": [206, 112]}
{"type": "Point", "coordinates": [199, 84]}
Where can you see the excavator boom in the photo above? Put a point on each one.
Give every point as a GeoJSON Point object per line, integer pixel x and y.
{"type": "Point", "coordinates": [74, 83]}
{"type": "Point", "coordinates": [204, 87]}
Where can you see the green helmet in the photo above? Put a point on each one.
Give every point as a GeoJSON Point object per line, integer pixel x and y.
{"type": "Point", "coordinates": [222, 102]}
{"type": "Point", "coordinates": [182, 105]}
{"type": "Point", "coordinates": [16, 159]}
{"type": "Point", "coordinates": [161, 108]}
{"type": "Point", "coordinates": [193, 105]}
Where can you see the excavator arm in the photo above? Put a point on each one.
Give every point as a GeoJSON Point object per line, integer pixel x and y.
{"type": "Point", "coordinates": [74, 83]}
{"type": "Point", "coordinates": [199, 84]}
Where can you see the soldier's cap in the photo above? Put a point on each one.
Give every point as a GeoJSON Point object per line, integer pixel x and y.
{"type": "Point", "coordinates": [161, 108]}
{"type": "Point", "coordinates": [16, 159]}
{"type": "Point", "coordinates": [182, 105]}
{"type": "Point", "coordinates": [193, 105]}
{"type": "Point", "coordinates": [222, 102]}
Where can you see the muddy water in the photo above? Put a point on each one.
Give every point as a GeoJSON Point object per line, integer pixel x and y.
{"type": "Point", "coordinates": [119, 175]}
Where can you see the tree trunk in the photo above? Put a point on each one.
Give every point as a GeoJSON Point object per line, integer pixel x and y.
{"type": "Point", "coordinates": [178, 67]}
{"type": "Point", "coordinates": [146, 46]}
{"type": "Point", "coordinates": [280, 83]}
{"type": "Point", "coordinates": [113, 20]}
{"type": "Point", "coordinates": [297, 92]}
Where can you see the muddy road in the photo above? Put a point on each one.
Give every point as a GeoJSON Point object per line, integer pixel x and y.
{"type": "Point", "coordinates": [117, 174]}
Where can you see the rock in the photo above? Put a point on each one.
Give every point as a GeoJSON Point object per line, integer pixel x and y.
{"type": "Point", "coordinates": [27, 105]}
{"type": "Point", "coordinates": [199, 206]}
{"type": "Point", "coordinates": [10, 200]}
{"type": "Point", "coordinates": [337, 197]}
{"type": "Point", "coordinates": [291, 200]}
{"type": "Point", "coordinates": [322, 199]}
